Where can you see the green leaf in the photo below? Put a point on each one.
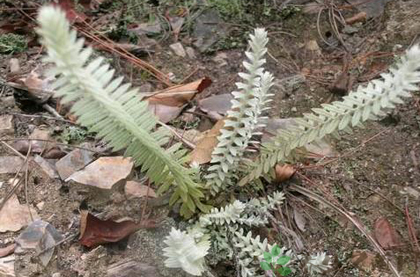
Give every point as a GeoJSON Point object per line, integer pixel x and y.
{"type": "Point", "coordinates": [265, 266]}
{"type": "Point", "coordinates": [284, 271]}
{"type": "Point", "coordinates": [283, 260]}
{"type": "Point", "coordinates": [275, 251]}
{"type": "Point", "coordinates": [267, 256]}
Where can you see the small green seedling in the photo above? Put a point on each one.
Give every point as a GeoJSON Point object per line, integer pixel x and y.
{"type": "Point", "coordinates": [273, 261]}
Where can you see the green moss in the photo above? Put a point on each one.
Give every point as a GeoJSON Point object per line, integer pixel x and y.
{"type": "Point", "coordinates": [12, 43]}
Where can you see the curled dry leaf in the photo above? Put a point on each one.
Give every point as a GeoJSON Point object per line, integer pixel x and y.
{"type": "Point", "coordinates": [168, 104]}
{"type": "Point", "coordinates": [202, 152]}
{"type": "Point", "coordinates": [284, 172]}
{"type": "Point", "coordinates": [179, 95]}
{"type": "Point", "coordinates": [94, 231]}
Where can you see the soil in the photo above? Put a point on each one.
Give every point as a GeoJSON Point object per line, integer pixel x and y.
{"type": "Point", "coordinates": [375, 172]}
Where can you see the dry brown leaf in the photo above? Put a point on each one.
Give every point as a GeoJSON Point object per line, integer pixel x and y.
{"type": "Point", "coordinates": [284, 172]}
{"type": "Point", "coordinates": [202, 152]}
{"type": "Point", "coordinates": [385, 234]}
{"type": "Point", "coordinates": [179, 95]}
{"type": "Point", "coordinates": [94, 231]}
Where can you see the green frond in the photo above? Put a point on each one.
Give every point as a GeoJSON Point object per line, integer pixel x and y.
{"type": "Point", "coordinates": [366, 103]}
{"type": "Point", "coordinates": [114, 110]}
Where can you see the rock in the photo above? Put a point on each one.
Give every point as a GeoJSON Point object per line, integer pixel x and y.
{"type": "Point", "coordinates": [47, 167]}
{"type": "Point", "coordinates": [208, 29]}
{"type": "Point", "coordinates": [40, 144]}
{"type": "Point", "coordinates": [221, 59]}
{"type": "Point", "coordinates": [190, 52]}
{"type": "Point", "coordinates": [312, 45]}
{"type": "Point", "coordinates": [104, 173]}
{"type": "Point", "coordinates": [216, 103]}
{"type": "Point", "coordinates": [8, 102]}
{"type": "Point", "coordinates": [40, 205]}
{"type": "Point", "coordinates": [72, 162]}
{"type": "Point", "coordinates": [150, 244]}
{"type": "Point", "coordinates": [10, 164]}
{"type": "Point", "coordinates": [14, 66]}
{"type": "Point", "coordinates": [7, 266]}
{"type": "Point", "coordinates": [39, 236]}
{"type": "Point", "coordinates": [57, 274]}
{"type": "Point", "coordinates": [178, 49]}
{"type": "Point", "coordinates": [363, 260]}
{"type": "Point", "coordinates": [6, 125]}
{"type": "Point", "coordinates": [14, 216]}
{"type": "Point", "coordinates": [135, 189]}
{"type": "Point", "coordinates": [131, 268]}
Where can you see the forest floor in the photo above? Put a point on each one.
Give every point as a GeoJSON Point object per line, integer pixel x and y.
{"type": "Point", "coordinates": [318, 52]}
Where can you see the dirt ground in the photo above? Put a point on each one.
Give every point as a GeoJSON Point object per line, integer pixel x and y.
{"type": "Point", "coordinates": [373, 174]}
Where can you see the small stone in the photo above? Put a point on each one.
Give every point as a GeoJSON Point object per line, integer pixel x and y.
{"type": "Point", "coordinates": [8, 102]}
{"type": "Point", "coordinates": [221, 58]}
{"type": "Point", "coordinates": [72, 162]}
{"type": "Point", "coordinates": [293, 109]}
{"type": "Point", "coordinates": [40, 142]}
{"type": "Point", "coordinates": [312, 45]}
{"type": "Point", "coordinates": [178, 49]}
{"type": "Point", "coordinates": [14, 66]}
{"type": "Point", "coordinates": [6, 125]}
{"type": "Point", "coordinates": [48, 168]}
{"type": "Point", "coordinates": [10, 164]}
{"type": "Point", "coordinates": [1, 184]}
{"type": "Point", "coordinates": [57, 274]}
{"type": "Point", "coordinates": [190, 52]}
{"type": "Point", "coordinates": [104, 173]}
{"type": "Point", "coordinates": [40, 205]}
{"type": "Point", "coordinates": [40, 236]}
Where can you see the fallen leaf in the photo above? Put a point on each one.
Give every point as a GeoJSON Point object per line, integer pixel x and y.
{"type": "Point", "coordinates": [202, 152]}
{"type": "Point", "coordinates": [135, 189]}
{"type": "Point", "coordinates": [104, 173]}
{"type": "Point", "coordinates": [385, 234]}
{"type": "Point", "coordinates": [151, 28]}
{"type": "Point", "coordinates": [7, 250]}
{"type": "Point", "coordinates": [179, 95]}
{"type": "Point", "coordinates": [14, 216]}
{"type": "Point", "coordinates": [176, 25]}
{"type": "Point", "coordinates": [94, 231]}
{"type": "Point", "coordinates": [284, 172]}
